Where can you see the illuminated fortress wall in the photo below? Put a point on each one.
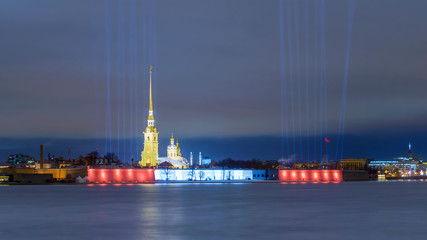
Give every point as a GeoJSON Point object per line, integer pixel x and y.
{"type": "Point", "coordinates": [201, 174]}
{"type": "Point", "coordinates": [310, 175]}
{"type": "Point", "coordinates": [105, 175]}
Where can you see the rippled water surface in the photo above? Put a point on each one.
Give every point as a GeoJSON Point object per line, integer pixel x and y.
{"type": "Point", "coordinates": [351, 210]}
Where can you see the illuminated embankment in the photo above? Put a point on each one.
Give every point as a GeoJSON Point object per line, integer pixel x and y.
{"type": "Point", "coordinates": [289, 175]}
{"type": "Point", "coordinates": [105, 175]}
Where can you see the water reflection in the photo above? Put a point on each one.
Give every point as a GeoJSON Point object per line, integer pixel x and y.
{"type": "Point", "coordinates": [214, 211]}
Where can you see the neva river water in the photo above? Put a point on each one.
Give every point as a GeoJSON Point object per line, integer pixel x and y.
{"type": "Point", "coordinates": [350, 210]}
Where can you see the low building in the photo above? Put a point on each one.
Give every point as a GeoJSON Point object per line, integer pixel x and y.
{"type": "Point", "coordinates": [397, 168]}
{"type": "Point", "coordinates": [265, 174]}
{"type": "Point", "coordinates": [355, 164]}
{"type": "Point", "coordinates": [19, 159]}
{"type": "Point", "coordinates": [30, 178]}
{"type": "Point", "coordinates": [57, 173]}
{"type": "Point", "coordinates": [45, 165]}
{"type": "Point", "coordinates": [206, 161]}
{"type": "Point", "coordinates": [407, 165]}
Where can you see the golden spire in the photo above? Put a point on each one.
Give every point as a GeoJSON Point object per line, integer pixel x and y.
{"type": "Point", "coordinates": [151, 95]}
{"type": "Point", "coordinates": [172, 137]}
{"type": "Point", "coordinates": [178, 149]}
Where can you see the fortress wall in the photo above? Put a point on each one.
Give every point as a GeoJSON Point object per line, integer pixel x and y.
{"type": "Point", "coordinates": [289, 175]}
{"type": "Point", "coordinates": [105, 175]}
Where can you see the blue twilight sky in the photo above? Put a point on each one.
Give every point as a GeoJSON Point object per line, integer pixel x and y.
{"type": "Point", "coordinates": [217, 76]}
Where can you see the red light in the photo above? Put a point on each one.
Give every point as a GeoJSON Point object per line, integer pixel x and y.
{"type": "Point", "coordinates": [294, 176]}
{"type": "Point", "coordinates": [130, 176]}
{"type": "Point", "coordinates": [310, 175]}
{"type": "Point", "coordinates": [326, 176]}
{"type": "Point", "coordinates": [91, 175]}
{"type": "Point", "coordinates": [120, 175]}
{"type": "Point", "coordinates": [336, 177]}
{"type": "Point", "coordinates": [103, 175]}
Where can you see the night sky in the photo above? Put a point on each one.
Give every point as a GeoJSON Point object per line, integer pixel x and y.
{"type": "Point", "coordinates": [217, 75]}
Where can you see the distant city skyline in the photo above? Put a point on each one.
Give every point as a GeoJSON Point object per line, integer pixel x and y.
{"type": "Point", "coordinates": [243, 148]}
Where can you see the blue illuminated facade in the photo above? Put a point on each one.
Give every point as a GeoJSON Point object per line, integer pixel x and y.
{"type": "Point", "coordinates": [206, 161]}
{"type": "Point", "coordinates": [408, 164]}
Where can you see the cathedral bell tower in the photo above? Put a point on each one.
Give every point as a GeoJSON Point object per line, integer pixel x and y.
{"type": "Point", "coordinates": [150, 154]}
{"type": "Point", "coordinates": [173, 150]}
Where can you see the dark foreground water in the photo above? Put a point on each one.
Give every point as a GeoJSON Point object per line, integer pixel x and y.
{"type": "Point", "coordinates": [354, 210]}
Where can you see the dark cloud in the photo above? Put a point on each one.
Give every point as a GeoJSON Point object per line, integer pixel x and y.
{"type": "Point", "coordinates": [217, 68]}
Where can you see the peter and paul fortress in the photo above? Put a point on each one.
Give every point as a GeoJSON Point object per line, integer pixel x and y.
{"type": "Point", "coordinates": [150, 154]}
{"type": "Point", "coordinates": [154, 168]}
